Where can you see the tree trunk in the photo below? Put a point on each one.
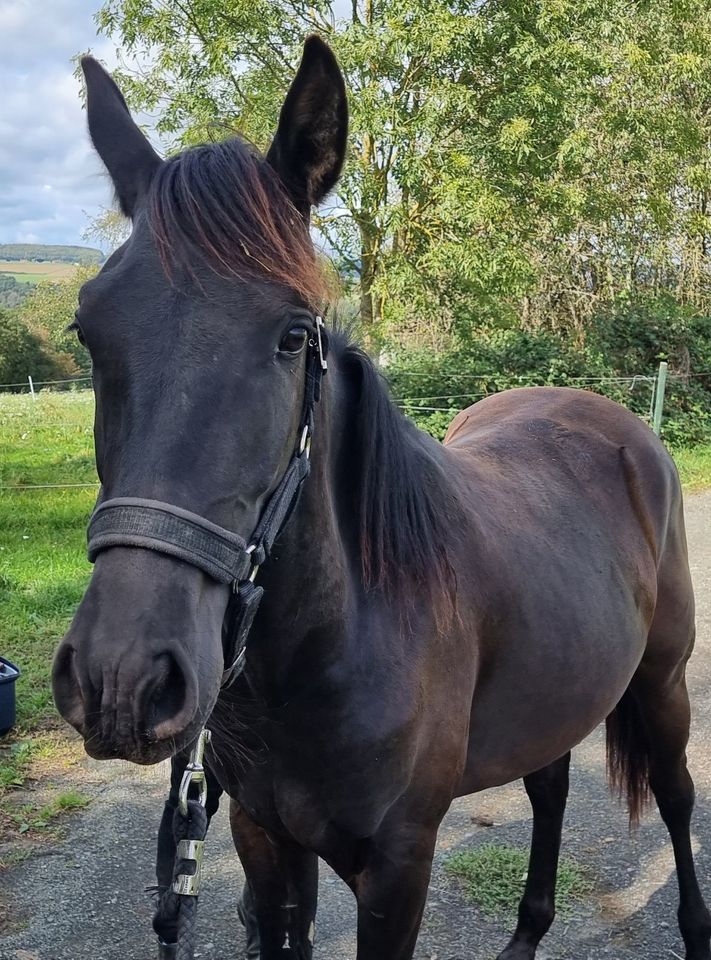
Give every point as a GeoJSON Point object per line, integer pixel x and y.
{"type": "Point", "coordinates": [369, 311]}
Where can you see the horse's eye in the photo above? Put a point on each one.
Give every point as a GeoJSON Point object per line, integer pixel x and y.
{"type": "Point", "coordinates": [293, 340]}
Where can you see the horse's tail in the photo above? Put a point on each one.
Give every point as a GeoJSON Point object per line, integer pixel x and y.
{"type": "Point", "coordinates": [628, 756]}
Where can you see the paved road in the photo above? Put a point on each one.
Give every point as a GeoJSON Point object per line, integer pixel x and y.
{"type": "Point", "coordinates": [83, 899]}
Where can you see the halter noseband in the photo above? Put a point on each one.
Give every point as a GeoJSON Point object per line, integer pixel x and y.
{"type": "Point", "coordinates": [222, 554]}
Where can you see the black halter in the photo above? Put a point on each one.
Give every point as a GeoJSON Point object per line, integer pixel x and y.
{"type": "Point", "coordinates": [224, 555]}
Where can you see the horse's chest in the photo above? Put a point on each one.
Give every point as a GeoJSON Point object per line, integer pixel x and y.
{"type": "Point", "coordinates": [327, 783]}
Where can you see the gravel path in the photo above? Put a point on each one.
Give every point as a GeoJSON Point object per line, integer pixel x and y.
{"type": "Point", "coordinates": [83, 899]}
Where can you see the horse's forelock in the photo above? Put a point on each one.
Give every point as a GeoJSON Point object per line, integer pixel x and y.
{"type": "Point", "coordinates": [224, 204]}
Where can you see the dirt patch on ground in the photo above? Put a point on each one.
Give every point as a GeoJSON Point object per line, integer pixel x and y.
{"type": "Point", "coordinates": [84, 898]}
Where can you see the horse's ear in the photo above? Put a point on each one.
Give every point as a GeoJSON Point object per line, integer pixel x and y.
{"type": "Point", "coordinates": [310, 143]}
{"type": "Point", "coordinates": [127, 155]}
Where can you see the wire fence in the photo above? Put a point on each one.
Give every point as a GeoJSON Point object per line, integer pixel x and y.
{"type": "Point", "coordinates": [417, 401]}
{"type": "Point", "coordinates": [448, 403]}
{"type": "Point", "coordinates": [30, 385]}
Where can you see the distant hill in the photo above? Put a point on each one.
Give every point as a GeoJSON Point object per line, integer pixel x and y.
{"type": "Point", "coordinates": [42, 252]}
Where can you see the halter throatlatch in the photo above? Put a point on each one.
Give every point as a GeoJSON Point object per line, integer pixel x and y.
{"type": "Point", "coordinates": [223, 555]}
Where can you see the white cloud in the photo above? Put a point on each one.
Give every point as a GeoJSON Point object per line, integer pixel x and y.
{"type": "Point", "coordinates": [51, 181]}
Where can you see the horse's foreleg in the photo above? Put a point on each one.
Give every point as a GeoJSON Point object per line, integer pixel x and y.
{"type": "Point", "coordinates": [282, 890]}
{"type": "Point", "coordinates": [547, 790]}
{"type": "Point", "coordinates": [391, 891]}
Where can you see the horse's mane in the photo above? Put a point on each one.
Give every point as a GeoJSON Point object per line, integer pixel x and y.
{"type": "Point", "coordinates": [407, 513]}
{"type": "Point", "coordinates": [225, 204]}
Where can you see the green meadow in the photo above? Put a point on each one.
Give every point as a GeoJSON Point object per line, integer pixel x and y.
{"type": "Point", "coordinates": [43, 566]}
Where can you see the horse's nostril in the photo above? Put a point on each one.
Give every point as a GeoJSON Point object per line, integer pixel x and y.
{"type": "Point", "coordinates": [171, 700]}
{"type": "Point", "coordinates": [67, 689]}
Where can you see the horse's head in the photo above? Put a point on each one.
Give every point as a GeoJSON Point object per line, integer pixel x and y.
{"type": "Point", "coordinates": [199, 329]}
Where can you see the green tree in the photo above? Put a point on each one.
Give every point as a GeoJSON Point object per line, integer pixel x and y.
{"type": "Point", "coordinates": [12, 293]}
{"type": "Point", "coordinates": [28, 352]}
{"type": "Point", "coordinates": [109, 228]}
{"type": "Point", "coordinates": [517, 162]}
{"type": "Point", "coordinates": [50, 309]}
{"type": "Point", "coordinates": [215, 66]}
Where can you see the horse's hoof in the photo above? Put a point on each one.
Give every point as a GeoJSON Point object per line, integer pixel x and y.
{"type": "Point", "coordinates": [167, 951]}
{"type": "Point", "coordinates": [517, 951]}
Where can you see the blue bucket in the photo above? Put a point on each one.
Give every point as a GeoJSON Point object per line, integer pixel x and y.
{"type": "Point", "coordinates": [8, 674]}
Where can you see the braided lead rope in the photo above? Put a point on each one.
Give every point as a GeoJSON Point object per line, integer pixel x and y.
{"type": "Point", "coordinates": [178, 911]}
{"type": "Point", "coordinates": [177, 905]}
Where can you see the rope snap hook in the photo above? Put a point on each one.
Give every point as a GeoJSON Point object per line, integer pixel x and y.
{"type": "Point", "coordinates": [195, 773]}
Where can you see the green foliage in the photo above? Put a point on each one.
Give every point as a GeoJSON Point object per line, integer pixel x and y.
{"type": "Point", "coordinates": [109, 229]}
{"type": "Point", "coordinates": [637, 333]}
{"type": "Point", "coordinates": [44, 251]}
{"type": "Point", "coordinates": [12, 292]}
{"type": "Point", "coordinates": [694, 466]}
{"type": "Point", "coordinates": [26, 350]}
{"type": "Point", "coordinates": [494, 876]}
{"type": "Point", "coordinates": [625, 341]}
{"type": "Point", "coordinates": [33, 817]}
{"type": "Point", "coordinates": [15, 762]}
{"type": "Point", "coordinates": [50, 308]}
{"type": "Point", "coordinates": [525, 162]}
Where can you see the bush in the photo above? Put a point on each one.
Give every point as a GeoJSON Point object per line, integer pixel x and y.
{"type": "Point", "coordinates": [622, 349]}
{"type": "Point", "coordinates": [50, 307]}
{"type": "Point", "coordinates": [26, 351]}
{"type": "Point", "coordinates": [12, 293]}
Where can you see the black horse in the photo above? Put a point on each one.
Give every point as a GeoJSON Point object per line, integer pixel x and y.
{"type": "Point", "coordinates": [437, 618]}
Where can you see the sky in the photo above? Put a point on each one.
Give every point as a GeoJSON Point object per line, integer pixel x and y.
{"type": "Point", "coordinates": [51, 182]}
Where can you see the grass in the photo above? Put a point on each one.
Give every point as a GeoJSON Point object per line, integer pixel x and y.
{"type": "Point", "coordinates": [28, 278]}
{"type": "Point", "coordinates": [41, 751]}
{"type": "Point", "coordinates": [29, 816]}
{"type": "Point", "coordinates": [15, 762]}
{"type": "Point", "coordinates": [43, 566]}
{"type": "Point", "coordinates": [493, 877]}
{"type": "Point", "coordinates": [694, 467]}
{"type": "Point", "coordinates": [25, 826]}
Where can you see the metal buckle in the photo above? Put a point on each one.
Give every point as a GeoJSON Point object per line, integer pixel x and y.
{"type": "Point", "coordinates": [322, 359]}
{"type": "Point", "coordinates": [188, 885]}
{"type": "Point", "coordinates": [305, 442]}
{"type": "Point", "coordinates": [232, 672]}
{"type": "Point", "coordinates": [194, 774]}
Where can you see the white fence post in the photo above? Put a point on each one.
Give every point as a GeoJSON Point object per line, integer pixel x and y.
{"type": "Point", "coordinates": [32, 387]}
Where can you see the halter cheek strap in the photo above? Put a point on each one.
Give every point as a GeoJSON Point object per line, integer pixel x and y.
{"type": "Point", "coordinates": [222, 554]}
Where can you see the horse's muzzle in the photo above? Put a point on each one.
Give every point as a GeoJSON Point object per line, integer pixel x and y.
{"type": "Point", "coordinates": [140, 667]}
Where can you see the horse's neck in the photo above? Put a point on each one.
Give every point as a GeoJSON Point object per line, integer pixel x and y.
{"type": "Point", "coordinates": [310, 578]}
{"type": "Point", "coordinates": [316, 607]}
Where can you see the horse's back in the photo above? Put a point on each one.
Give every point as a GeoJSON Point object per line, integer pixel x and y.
{"type": "Point", "coordinates": [574, 440]}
